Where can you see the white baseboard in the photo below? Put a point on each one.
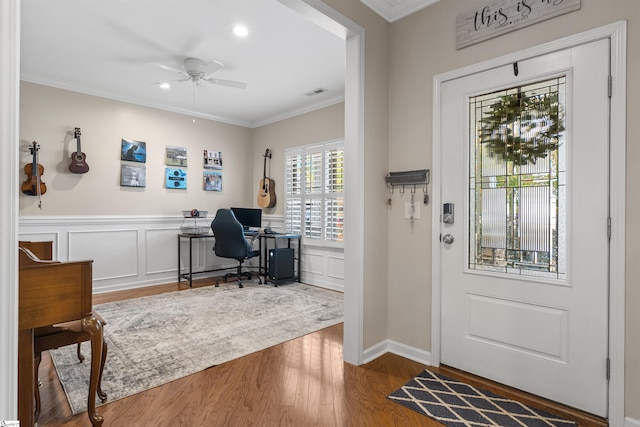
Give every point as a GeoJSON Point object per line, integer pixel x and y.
{"type": "Point", "coordinates": [399, 349]}
{"type": "Point", "coordinates": [631, 422]}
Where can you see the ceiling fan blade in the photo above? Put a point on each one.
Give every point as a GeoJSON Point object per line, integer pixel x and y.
{"type": "Point", "coordinates": [212, 66]}
{"type": "Point", "coordinates": [171, 81]}
{"type": "Point", "coordinates": [230, 83]}
{"type": "Point", "coordinates": [166, 67]}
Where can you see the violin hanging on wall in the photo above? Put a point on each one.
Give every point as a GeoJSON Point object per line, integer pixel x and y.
{"type": "Point", "coordinates": [78, 158]}
{"type": "Point", "coordinates": [33, 185]}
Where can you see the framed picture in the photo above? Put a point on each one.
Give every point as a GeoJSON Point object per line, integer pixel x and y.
{"type": "Point", "coordinates": [133, 176]}
{"type": "Point", "coordinates": [176, 156]}
{"type": "Point", "coordinates": [176, 178]}
{"type": "Point", "coordinates": [212, 181]}
{"type": "Point", "coordinates": [133, 151]}
{"type": "Point", "coordinates": [212, 159]}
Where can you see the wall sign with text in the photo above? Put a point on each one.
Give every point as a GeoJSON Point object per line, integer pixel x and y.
{"type": "Point", "coordinates": [494, 18]}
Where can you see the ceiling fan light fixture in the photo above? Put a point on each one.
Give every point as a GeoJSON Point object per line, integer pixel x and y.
{"type": "Point", "coordinates": [240, 30]}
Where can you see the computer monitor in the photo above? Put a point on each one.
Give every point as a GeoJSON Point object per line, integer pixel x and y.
{"type": "Point", "coordinates": [248, 217]}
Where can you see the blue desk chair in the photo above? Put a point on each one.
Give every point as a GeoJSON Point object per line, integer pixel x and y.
{"type": "Point", "coordinates": [231, 242]}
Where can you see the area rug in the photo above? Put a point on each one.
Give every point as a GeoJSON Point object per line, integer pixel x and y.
{"type": "Point", "coordinates": [157, 339]}
{"type": "Point", "coordinates": [454, 403]}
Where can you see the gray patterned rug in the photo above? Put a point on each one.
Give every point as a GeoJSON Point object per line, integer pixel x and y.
{"type": "Point", "coordinates": [457, 404]}
{"type": "Point", "coordinates": [157, 339]}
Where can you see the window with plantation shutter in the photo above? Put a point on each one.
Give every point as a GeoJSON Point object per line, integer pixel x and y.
{"type": "Point", "coordinates": [314, 192]}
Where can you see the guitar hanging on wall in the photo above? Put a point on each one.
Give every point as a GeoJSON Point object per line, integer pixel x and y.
{"type": "Point", "coordinates": [33, 185]}
{"type": "Point", "coordinates": [78, 159]}
{"type": "Point", "coordinates": [266, 195]}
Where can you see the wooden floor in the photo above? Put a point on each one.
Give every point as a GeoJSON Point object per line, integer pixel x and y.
{"type": "Point", "coordinates": [303, 382]}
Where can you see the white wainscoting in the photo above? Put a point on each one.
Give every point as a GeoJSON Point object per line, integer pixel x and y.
{"type": "Point", "coordinates": [323, 267]}
{"type": "Point", "coordinates": [136, 251]}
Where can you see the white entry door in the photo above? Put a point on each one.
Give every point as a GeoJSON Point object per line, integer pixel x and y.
{"type": "Point", "coordinates": [525, 244]}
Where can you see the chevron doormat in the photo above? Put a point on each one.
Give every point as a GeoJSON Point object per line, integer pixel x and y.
{"type": "Point", "coordinates": [456, 404]}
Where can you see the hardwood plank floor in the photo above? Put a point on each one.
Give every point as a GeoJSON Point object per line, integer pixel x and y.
{"type": "Point", "coordinates": [302, 382]}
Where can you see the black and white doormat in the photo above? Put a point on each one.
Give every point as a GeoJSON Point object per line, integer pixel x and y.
{"type": "Point", "coordinates": [455, 404]}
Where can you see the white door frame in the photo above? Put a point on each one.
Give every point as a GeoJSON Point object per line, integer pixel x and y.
{"type": "Point", "coordinates": [617, 33]}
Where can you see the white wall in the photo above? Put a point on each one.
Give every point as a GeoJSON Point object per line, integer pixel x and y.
{"type": "Point", "coordinates": [130, 233]}
{"type": "Point", "coordinates": [49, 116]}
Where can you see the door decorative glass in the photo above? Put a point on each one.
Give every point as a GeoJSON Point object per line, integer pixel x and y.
{"type": "Point", "coordinates": [517, 180]}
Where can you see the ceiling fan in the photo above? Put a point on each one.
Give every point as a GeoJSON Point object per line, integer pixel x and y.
{"type": "Point", "coordinates": [198, 71]}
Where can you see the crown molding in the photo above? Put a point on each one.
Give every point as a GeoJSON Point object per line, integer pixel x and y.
{"type": "Point", "coordinates": [392, 10]}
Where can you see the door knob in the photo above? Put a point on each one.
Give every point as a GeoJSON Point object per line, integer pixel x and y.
{"type": "Point", "coordinates": [448, 239]}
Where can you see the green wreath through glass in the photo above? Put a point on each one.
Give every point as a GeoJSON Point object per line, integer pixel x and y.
{"type": "Point", "coordinates": [521, 128]}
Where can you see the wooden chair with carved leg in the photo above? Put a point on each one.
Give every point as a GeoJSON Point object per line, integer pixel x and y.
{"type": "Point", "coordinates": [87, 327]}
{"type": "Point", "coordinates": [61, 335]}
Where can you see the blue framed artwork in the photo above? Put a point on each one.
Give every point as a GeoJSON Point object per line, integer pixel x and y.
{"type": "Point", "coordinates": [176, 178]}
{"type": "Point", "coordinates": [133, 151]}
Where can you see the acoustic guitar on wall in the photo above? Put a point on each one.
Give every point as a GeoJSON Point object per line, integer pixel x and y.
{"type": "Point", "coordinates": [266, 194]}
{"type": "Point", "coordinates": [78, 158]}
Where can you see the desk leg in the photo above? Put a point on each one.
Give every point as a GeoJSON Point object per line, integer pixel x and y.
{"type": "Point", "coordinates": [299, 260]}
{"type": "Point", "coordinates": [190, 262]}
{"type": "Point", "coordinates": [265, 264]}
{"type": "Point", "coordinates": [93, 328]}
{"type": "Point", "coordinates": [260, 261]}
{"type": "Point", "coordinates": [26, 378]}
{"type": "Point", "coordinates": [179, 271]}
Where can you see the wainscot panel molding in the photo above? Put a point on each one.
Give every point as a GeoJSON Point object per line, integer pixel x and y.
{"type": "Point", "coordinates": [137, 251]}
{"type": "Point", "coordinates": [127, 251]}
{"type": "Point", "coordinates": [322, 267]}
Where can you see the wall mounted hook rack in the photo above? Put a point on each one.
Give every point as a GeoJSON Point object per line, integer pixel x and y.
{"type": "Point", "coordinates": [409, 179]}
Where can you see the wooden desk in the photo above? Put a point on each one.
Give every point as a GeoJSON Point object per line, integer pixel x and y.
{"type": "Point", "coordinates": [51, 293]}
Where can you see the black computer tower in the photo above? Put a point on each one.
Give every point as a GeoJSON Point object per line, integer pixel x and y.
{"type": "Point", "coordinates": [281, 264]}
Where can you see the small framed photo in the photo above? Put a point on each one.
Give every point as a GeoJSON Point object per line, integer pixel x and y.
{"type": "Point", "coordinates": [176, 156]}
{"type": "Point", "coordinates": [212, 159]}
{"type": "Point", "coordinates": [133, 151]}
{"type": "Point", "coordinates": [133, 176]}
{"type": "Point", "coordinates": [212, 180]}
{"type": "Point", "coordinates": [176, 178]}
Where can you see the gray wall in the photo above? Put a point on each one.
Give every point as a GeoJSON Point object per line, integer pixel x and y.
{"type": "Point", "coordinates": [421, 46]}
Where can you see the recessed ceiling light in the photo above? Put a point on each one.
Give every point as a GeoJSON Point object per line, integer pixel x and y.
{"type": "Point", "coordinates": [165, 86]}
{"type": "Point", "coordinates": [240, 30]}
